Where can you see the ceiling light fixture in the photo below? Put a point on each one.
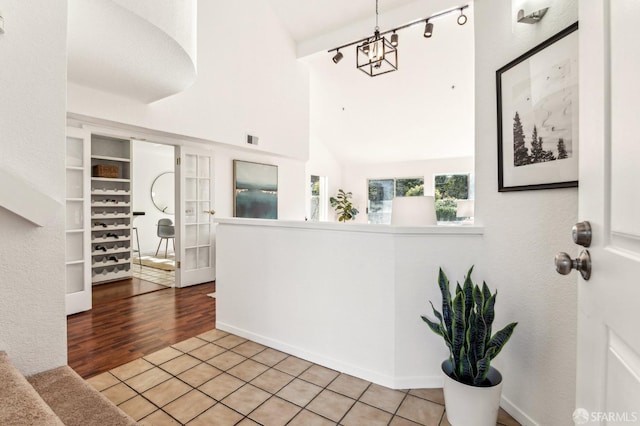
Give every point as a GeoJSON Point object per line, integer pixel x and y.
{"type": "Point", "coordinates": [462, 19]}
{"type": "Point", "coordinates": [377, 55]}
{"type": "Point", "coordinates": [428, 29]}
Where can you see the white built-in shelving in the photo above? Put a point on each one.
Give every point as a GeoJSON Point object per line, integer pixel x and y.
{"type": "Point", "coordinates": [111, 211]}
{"type": "Point", "coordinates": [77, 235]}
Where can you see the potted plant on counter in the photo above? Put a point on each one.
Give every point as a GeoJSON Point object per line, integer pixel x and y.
{"type": "Point", "coordinates": [343, 206]}
{"type": "Point", "coordinates": [472, 388]}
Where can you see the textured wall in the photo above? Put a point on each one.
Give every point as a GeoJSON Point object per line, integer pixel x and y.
{"type": "Point", "coordinates": [523, 232]}
{"type": "Point", "coordinates": [175, 17]}
{"type": "Point", "coordinates": [32, 146]}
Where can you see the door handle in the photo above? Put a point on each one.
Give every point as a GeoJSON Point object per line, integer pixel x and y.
{"type": "Point", "coordinates": [211, 212]}
{"type": "Point", "coordinates": [564, 264]}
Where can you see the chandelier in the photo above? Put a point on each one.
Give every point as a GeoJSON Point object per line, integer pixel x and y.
{"type": "Point", "coordinates": [377, 55]}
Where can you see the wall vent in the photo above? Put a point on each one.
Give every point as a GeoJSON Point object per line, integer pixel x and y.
{"type": "Point", "coordinates": [252, 140]}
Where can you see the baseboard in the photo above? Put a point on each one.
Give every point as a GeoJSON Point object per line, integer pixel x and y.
{"type": "Point", "coordinates": [418, 382]}
{"type": "Point", "coordinates": [410, 382]}
{"type": "Point", "coordinates": [516, 412]}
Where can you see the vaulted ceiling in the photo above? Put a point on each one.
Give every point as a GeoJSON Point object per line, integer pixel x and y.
{"type": "Point", "coordinates": [425, 110]}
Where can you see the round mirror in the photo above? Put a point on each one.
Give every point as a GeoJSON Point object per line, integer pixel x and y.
{"type": "Point", "coordinates": [163, 192]}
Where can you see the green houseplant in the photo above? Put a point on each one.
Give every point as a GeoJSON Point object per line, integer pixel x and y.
{"type": "Point", "coordinates": [465, 324]}
{"type": "Point", "coordinates": [343, 206]}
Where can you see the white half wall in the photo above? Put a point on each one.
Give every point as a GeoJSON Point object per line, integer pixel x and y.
{"type": "Point", "coordinates": [249, 82]}
{"type": "Point", "coordinates": [346, 296]}
{"type": "Point", "coordinates": [523, 232]}
{"type": "Point", "coordinates": [32, 147]}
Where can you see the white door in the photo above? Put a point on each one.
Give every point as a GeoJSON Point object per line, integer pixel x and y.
{"type": "Point", "coordinates": [608, 372]}
{"type": "Point", "coordinates": [77, 223]}
{"type": "Point", "coordinates": [195, 245]}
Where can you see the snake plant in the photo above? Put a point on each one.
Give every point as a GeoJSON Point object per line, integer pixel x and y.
{"type": "Point", "coordinates": [465, 324]}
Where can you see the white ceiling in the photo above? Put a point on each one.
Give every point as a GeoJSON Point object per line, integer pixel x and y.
{"type": "Point", "coordinates": [425, 110]}
{"type": "Point", "coordinates": [311, 18]}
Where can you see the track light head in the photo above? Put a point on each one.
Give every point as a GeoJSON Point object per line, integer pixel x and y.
{"type": "Point", "coordinates": [462, 19]}
{"type": "Point", "coordinates": [394, 39]}
{"type": "Point", "coordinates": [378, 54]}
{"type": "Point", "coordinates": [428, 30]}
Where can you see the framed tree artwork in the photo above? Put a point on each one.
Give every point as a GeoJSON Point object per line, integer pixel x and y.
{"type": "Point", "coordinates": [537, 96]}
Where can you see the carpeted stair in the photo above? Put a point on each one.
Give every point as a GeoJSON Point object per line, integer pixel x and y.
{"type": "Point", "coordinates": [54, 397]}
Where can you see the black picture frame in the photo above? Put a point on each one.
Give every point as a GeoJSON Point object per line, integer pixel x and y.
{"type": "Point", "coordinates": [537, 98]}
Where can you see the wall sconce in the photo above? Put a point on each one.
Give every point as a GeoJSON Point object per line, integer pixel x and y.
{"type": "Point", "coordinates": [533, 17]}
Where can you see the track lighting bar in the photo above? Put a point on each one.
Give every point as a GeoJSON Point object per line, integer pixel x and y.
{"type": "Point", "coordinates": [393, 30]}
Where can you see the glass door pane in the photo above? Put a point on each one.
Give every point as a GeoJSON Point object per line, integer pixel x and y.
{"type": "Point", "coordinates": [195, 217]}
{"type": "Point", "coordinates": [381, 193]}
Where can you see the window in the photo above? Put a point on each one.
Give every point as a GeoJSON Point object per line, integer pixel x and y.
{"type": "Point", "coordinates": [382, 192]}
{"type": "Point", "coordinates": [448, 189]}
{"type": "Point", "coordinates": [318, 201]}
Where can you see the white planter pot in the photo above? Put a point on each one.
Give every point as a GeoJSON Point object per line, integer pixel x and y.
{"type": "Point", "coordinates": [472, 405]}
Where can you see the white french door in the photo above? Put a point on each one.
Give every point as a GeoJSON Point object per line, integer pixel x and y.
{"type": "Point", "coordinates": [608, 372]}
{"type": "Point", "coordinates": [77, 229]}
{"type": "Point", "coordinates": [194, 217]}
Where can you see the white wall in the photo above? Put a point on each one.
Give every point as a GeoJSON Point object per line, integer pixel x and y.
{"type": "Point", "coordinates": [354, 176]}
{"type": "Point", "coordinates": [32, 146]}
{"type": "Point", "coordinates": [523, 232]}
{"type": "Point", "coordinates": [322, 163]}
{"type": "Point", "coordinates": [149, 161]}
{"type": "Point", "coordinates": [291, 182]}
{"type": "Point", "coordinates": [291, 172]}
{"type": "Point", "coordinates": [346, 296]}
{"type": "Point", "coordinates": [249, 81]}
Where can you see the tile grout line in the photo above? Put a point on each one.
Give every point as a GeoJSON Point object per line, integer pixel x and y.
{"type": "Point", "coordinates": [234, 350]}
{"type": "Point", "coordinates": [188, 384]}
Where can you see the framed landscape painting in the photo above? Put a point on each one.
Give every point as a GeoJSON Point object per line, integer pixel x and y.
{"type": "Point", "coordinates": [537, 96]}
{"type": "Point", "coordinates": [255, 190]}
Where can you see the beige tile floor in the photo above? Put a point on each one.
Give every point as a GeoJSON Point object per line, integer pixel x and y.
{"type": "Point", "coordinates": [218, 378]}
{"type": "Point", "coordinates": [158, 276]}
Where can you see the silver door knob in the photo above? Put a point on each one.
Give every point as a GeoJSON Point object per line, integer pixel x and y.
{"type": "Point", "coordinates": [564, 264]}
{"type": "Point", "coordinates": [581, 233]}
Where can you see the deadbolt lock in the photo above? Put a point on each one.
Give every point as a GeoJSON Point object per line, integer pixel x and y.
{"type": "Point", "coordinates": [581, 233]}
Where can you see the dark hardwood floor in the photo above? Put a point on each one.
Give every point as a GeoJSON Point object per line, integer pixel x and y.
{"type": "Point", "coordinates": [122, 330]}
{"type": "Point", "coordinates": [122, 289]}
